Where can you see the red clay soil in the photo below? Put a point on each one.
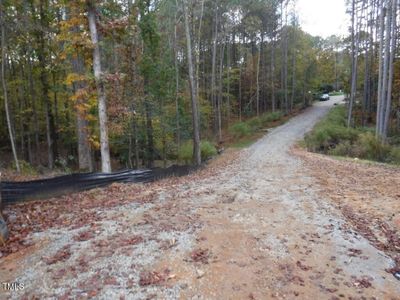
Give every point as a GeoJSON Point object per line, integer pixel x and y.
{"type": "Point", "coordinates": [367, 193]}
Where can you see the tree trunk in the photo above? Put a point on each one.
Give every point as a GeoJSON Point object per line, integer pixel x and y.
{"type": "Point", "coordinates": [133, 74]}
{"type": "Point", "coordinates": [84, 149]}
{"type": "Point", "coordinates": [285, 62]}
{"type": "Point", "coordinates": [4, 85]}
{"type": "Point", "coordinates": [198, 49]}
{"type": "Point", "coordinates": [178, 129]}
{"type": "Point", "coordinates": [258, 81]}
{"type": "Point", "coordinates": [386, 117]}
{"type": "Point", "coordinates": [45, 85]}
{"type": "Point", "coordinates": [149, 132]}
{"type": "Point", "coordinates": [24, 118]}
{"type": "Point", "coordinates": [213, 73]}
{"type": "Point", "coordinates": [102, 105]}
{"type": "Point", "coordinates": [220, 95]}
{"type": "Point", "coordinates": [56, 120]}
{"type": "Point", "coordinates": [273, 100]}
{"type": "Point", "coordinates": [293, 80]}
{"type": "Point", "coordinates": [193, 92]}
{"type": "Point", "coordinates": [380, 78]}
{"type": "Point", "coordinates": [355, 48]}
{"type": "Point", "coordinates": [228, 88]}
{"type": "Point", "coordinates": [34, 111]}
{"type": "Point", "coordinates": [386, 67]}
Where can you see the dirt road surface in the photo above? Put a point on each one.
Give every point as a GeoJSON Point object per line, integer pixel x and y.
{"type": "Point", "coordinates": [255, 227]}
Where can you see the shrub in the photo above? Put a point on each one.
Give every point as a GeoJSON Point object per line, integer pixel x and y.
{"type": "Point", "coordinates": [25, 168]}
{"type": "Point", "coordinates": [207, 150]}
{"type": "Point", "coordinates": [372, 148]}
{"type": "Point", "coordinates": [337, 116]}
{"type": "Point", "coordinates": [240, 129]}
{"type": "Point", "coordinates": [327, 136]}
{"type": "Point", "coordinates": [394, 155]}
{"type": "Point", "coordinates": [271, 117]}
{"type": "Point", "coordinates": [254, 124]}
{"type": "Point", "coordinates": [186, 151]}
{"type": "Point", "coordinates": [331, 136]}
{"type": "Point", "coordinates": [331, 132]}
{"type": "Point", "coordinates": [343, 149]}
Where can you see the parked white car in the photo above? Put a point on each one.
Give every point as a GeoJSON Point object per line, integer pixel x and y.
{"type": "Point", "coordinates": [324, 97]}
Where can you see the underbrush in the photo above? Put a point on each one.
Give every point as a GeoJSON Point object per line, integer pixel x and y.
{"type": "Point", "coordinates": [207, 149]}
{"type": "Point", "coordinates": [244, 129]}
{"type": "Point", "coordinates": [26, 169]}
{"type": "Point", "coordinates": [332, 136]}
{"type": "Point", "coordinates": [335, 93]}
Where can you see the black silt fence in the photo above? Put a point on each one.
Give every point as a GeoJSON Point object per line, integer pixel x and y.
{"type": "Point", "coordinates": [14, 192]}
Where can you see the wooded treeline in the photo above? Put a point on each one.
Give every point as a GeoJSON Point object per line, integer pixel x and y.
{"type": "Point", "coordinates": [374, 90]}
{"type": "Point", "coordinates": [90, 84]}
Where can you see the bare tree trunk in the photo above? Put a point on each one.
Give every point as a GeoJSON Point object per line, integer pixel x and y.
{"type": "Point", "coordinates": [386, 66]}
{"type": "Point", "coordinates": [386, 117]}
{"type": "Point", "coordinates": [293, 80]}
{"type": "Point", "coordinates": [45, 86]}
{"type": "Point", "coordinates": [133, 140]}
{"type": "Point", "coordinates": [355, 49]}
{"type": "Point", "coordinates": [4, 85]}
{"type": "Point", "coordinates": [273, 100]}
{"type": "Point", "coordinates": [213, 72]}
{"type": "Point", "coordinates": [55, 117]}
{"type": "Point", "coordinates": [104, 145]}
{"type": "Point", "coordinates": [193, 92]}
{"type": "Point", "coordinates": [178, 130]}
{"type": "Point", "coordinates": [372, 51]}
{"type": "Point", "coordinates": [134, 122]}
{"type": "Point", "coordinates": [285, 62]}
{"type": "Point", "coordinates": [149, 132]}
{"type": "Point", "coordinates": [366, 72]}
{"type": "Point", "coordinates": [220, 95]}
{"type": "Point", "coordinates": [240, 82]}
{"type": "Point", "coordinates": [240, 91]}
{"type": "Point", "coordinates": [34, 111]}
{"type": "Point", "coordinates": [258, 81]}
{"type": "Point", "coordinates": [198, 49]}
{"type": "Point", "coordinates": [366, 87]}
{"type": "Point", "coordinates": [380, 79]}
{"type": "Point", "coordinates": [228, 88]}
{"type": "Point", "coordinates": [24, 120]}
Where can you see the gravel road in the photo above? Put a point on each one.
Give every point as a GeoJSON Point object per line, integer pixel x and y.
{"type": "Point", "coordinates": [256, 228]}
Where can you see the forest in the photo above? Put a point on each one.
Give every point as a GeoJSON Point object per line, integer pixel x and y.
{"type": "Point", "coordinates": [90, 84]}
{"type": "Point", "coordinates": [199, 149]}
{"type": "Point", "coordinates": [103, 85]}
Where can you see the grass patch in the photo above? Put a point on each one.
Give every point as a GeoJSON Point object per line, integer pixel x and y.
{"type": "Point", "coordinates": [244, 143]}
{"type": "Point", "coordinates": [244, 129]}
{"type": "Point", "coordinates": [336, 93]}
{"type": "Point", "coordinates": [240, 130]}
{"type": "Point", "coordinates": [332, 136]}
{"type": "Point", "coordinates": [243, 134]}
{"type": "Point", "coordinates": [207, 149]}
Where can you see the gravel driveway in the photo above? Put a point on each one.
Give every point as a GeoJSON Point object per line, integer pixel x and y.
{"type": "Point", "coordinates": [255, 227]}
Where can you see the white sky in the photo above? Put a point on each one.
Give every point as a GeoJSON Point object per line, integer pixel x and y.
{"type": "Point", "coordinates": [323, 17]}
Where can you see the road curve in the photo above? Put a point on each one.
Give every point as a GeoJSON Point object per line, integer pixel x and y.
{"type": "Point", "coordinates": [257, 228]}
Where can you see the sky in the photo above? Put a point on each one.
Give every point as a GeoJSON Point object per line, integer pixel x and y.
{"type": "Point", "coordinates": [323, 17]}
